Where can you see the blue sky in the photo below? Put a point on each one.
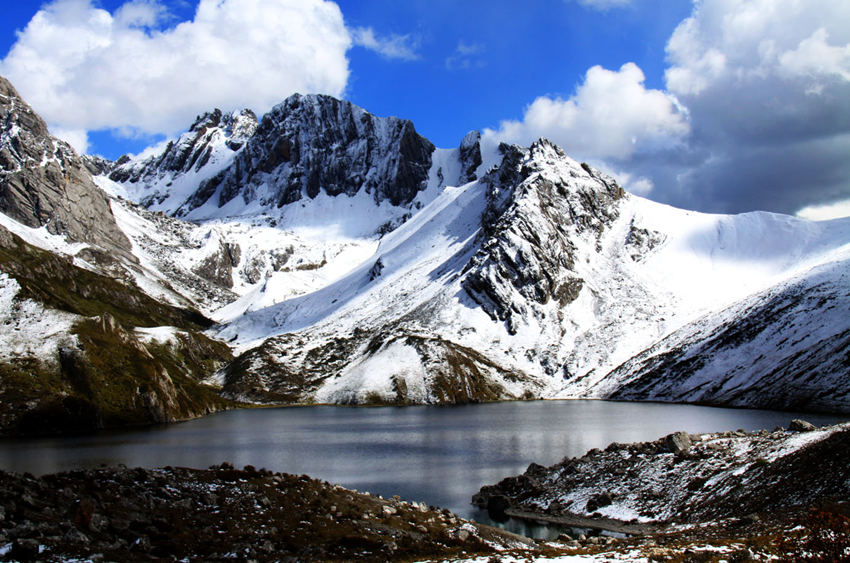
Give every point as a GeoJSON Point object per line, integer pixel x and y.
{"type": "Point", "coordinates": [718, 105]}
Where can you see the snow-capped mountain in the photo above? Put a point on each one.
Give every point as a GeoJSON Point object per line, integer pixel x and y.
{"type": "Point", "coordinates": [787, 347]}
{"type": "Point", "coordinates": [538, 280]}
{"type": "Point", "coordinates": [163, 180]}
{"type": "Point", "coordinates": [347, 260]}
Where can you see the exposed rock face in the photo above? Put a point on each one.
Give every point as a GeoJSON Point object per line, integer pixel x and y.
{"type": "Point", "coordinates": [218, 266]}
{"type": "Point", "coordinates": [44, 183]}
{"type": "Point", "coordinates": [532, 219]}
{"type": "Point", "coordinates": [470, 156]}
{"type": "Point", "coordinates": [317, 143]}
{"type": "Point", "coordinates": [211, 133]}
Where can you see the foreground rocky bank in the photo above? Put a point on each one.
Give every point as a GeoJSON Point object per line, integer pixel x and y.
{"type": "Point", "coordinates": [121, 514]}
{"type": "Point", "coordinates": [683, 486]}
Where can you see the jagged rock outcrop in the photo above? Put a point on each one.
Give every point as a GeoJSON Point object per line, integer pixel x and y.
{"type": "Point", "coordinates": [317, 143]}
{"type": "Point", "coordinates": [532, 221]}
{"type": "Point", "coordinates": [470, 156]}
{"type": "Point", "coordinates": [43, 182]}
{"type": "Point", "coordinates": [635, 488]}
{"type": "Point", "coordinates": [208, 145]}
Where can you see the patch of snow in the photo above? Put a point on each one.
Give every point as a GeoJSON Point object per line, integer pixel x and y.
{"type": "Point", "coordinates": [41, 238]}
{"type": "Point", "coordinates": [28, 328]}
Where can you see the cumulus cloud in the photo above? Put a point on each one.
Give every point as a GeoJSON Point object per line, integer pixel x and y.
{"type": "Point", "coordinates": [767, 85]}
{"type": "Point", "coordinates": [826, 212]}
{"type": "Point", "coordinates": [755, 114]}
{"type": "Point", "coordinates": [611, 115]}
{"type": "Point", "coordinates": [77, 138]}
{"type": "Point", "coordinates": [393, 46]}
{"type": "Point", "coordinates": [84, 68]}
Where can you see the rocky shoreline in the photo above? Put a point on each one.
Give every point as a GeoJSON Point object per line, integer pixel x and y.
{"type": "Point", "coordinates": [763, 482]}
{"type": "Point", "coordinates": [731, 496]}
{"type": "Point", "coordinates": [222, 513]}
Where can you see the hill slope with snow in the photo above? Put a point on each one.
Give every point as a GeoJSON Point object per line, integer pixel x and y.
{"type": "Point", "coordinates": [347, 260]}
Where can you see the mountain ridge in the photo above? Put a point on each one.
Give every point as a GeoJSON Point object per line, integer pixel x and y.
{"type": "Point", "coordinates": [345, 259]}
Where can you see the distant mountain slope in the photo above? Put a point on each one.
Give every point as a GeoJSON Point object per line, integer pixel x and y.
{"type": "Point", "coordinates": [785, 348]}
{"type": "Point", "coordinates": [537, 280]}
{"type": "Point", "coordinates": [230, 165]}
{"type": "Point", "coordinates": [164, 180]}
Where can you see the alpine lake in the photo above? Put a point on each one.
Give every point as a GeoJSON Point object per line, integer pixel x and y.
{"type": "Point", "coordinates": [439, 455]}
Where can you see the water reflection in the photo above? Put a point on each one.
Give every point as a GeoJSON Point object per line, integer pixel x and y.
{"type": "Point", "coordinates": [440, 455]}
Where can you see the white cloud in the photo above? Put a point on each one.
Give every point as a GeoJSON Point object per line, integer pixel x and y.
{"type": "Point", "coordinates": [77, 138]}
{"type": "Point", "coordinates": [767, 85]}
{"type": "Point", "coordinates": [814, 56]}
{"type": "Point", "coordinates": [611, 115]}
{"type": "Point", "coordinates": [826, 212]}
{"type": "Point", "coordinates": [141, 13]}
{"type": "Point", "coordinates": [393, 46]}
{"type": "Point", "coordinates": [728, 43]}
{"type": "Point", "coordinates": [464, 56]}
{"type": "Point", "coordinates": [83, 68]}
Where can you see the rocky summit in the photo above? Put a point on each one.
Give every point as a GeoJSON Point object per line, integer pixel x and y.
{"type": "Point", "coordinates": [44, 183]}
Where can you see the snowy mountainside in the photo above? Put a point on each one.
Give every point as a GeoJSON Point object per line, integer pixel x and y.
{"type": "Point", "coordinates": [347, 260]}
{"type": "Point", "coordinates": [162, 181]}
{"type": "Point", "coordinates": [229, 166]}
{"type": "Point", "coordinates": [537, 280]}
{"type": "Point", "coordinates": [787, 347]}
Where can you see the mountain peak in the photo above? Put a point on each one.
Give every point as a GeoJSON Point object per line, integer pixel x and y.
{"type": "Point", "coordinates": [316, 143]}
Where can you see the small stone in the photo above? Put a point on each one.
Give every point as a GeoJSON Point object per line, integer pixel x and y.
{"type": "Point", "coordinates": [421, 529]}
{"type": "Point", "coordinates": [798, 425]}
{"type": "Point", "coordinates": [463, 535]}
{"type": "Point", "coordinates": [98, 522]}
{"type": "Point", "coordinates": [389, 511]}
{"type": "Point", "coordinates": [142, 543]}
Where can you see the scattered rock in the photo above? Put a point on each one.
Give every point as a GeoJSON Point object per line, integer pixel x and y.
{"type": "Point", "coordinates": [798, 425]}
{"type": "Point", "coordinates": [678, 442]}
{"type": "Point", "coordinates": [177, 513]}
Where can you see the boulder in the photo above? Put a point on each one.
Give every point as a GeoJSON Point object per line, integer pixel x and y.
{"type": "Point", "coordinates": [798, 425]}
{"type": "Point", "coordinates": [678, 442]}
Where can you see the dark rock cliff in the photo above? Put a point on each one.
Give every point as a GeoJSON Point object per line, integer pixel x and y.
{"type": "Point", "coordinates": [43, 182]}
{"type": "Point", "coordinates": [310, 144]}
{"type": "Point", "coordinates": [538, 205]}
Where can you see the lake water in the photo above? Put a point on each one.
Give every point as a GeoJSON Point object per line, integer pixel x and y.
{"type": "Point", "coordinates": [440, 455]}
